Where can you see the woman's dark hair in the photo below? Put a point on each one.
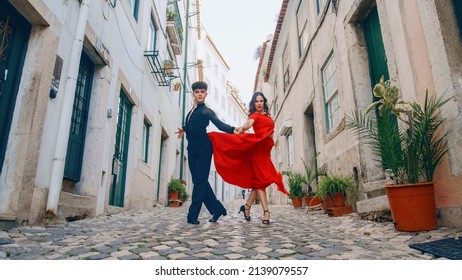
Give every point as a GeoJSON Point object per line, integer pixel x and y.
{"type": "Point", "coordinates": [252, 103]}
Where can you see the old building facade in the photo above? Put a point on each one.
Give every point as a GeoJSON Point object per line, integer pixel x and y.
{"type": "Point", "coordinates": [323, 60]}
{"type": "Point", "coordinates": [91, 115]}
{"type": "Point", "coordinates": [92, 93]}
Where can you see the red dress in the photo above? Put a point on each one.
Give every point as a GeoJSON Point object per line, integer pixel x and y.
{"type": "Point", "coordinates": [244, 160]}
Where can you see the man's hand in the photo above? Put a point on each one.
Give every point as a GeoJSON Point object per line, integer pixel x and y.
{"type": "Point", "coordinates": [180, 133]}
{"type": "Point", "coordinates": [238, 130]}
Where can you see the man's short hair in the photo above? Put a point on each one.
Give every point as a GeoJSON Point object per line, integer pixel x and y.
{"type": "Point", "coordinates": [199, 85]}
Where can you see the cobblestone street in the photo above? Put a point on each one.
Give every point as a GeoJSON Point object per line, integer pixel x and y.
{"type": "Point", "coordinates": [162, 233]}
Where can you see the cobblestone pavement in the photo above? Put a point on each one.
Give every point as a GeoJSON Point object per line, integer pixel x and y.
{"type": "Point", "coordinates": [162, 233]}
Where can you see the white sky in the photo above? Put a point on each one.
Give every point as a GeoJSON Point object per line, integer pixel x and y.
{"type": "Point", "coordinates": [238, 27]}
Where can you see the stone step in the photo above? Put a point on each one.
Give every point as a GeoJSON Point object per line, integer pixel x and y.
{"type": "Point", "coordinates": [376, 185]}
{"type": "Point", "coordinates": [375, 204]}
{"type": "Point", "coordinates": [7, 221]}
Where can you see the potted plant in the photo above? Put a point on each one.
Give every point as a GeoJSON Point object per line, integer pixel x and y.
{"type": "Point", "coordinates": [406, 138]}
{"type": "Point", "coordinates": [182, 194]}
{"type": "Point", "coordinates": [312, 173]}
{"type": "Point", "coordinates": [175, 187]}
{"type": "Point", "coordinates": [332, 189]}
{"type": "Point", "coordinates": [176, 86]}
{"type": "Point", "coordinates": [168, 65]}
{"type": "Point", "coordinates": [295, 182]}
{"type": "Point", "coordinates": [170, 14]}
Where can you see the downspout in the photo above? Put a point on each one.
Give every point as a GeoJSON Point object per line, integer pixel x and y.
{"type": "Point", "coordinates": [59, 156]}
{"type": "Point", "coordinates": [185, 78]}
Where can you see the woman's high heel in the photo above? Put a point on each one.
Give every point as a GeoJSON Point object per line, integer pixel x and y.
{"type": "Point", "coordinates": [243, 209]}
{"type": "Point", "coordinates": [265, 222]}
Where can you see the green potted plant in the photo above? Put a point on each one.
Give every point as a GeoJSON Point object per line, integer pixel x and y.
{"type": "Point", "coordinates": [175, 187]}
{"type": "Point", "coordinates": [295, 182]}
{"type": "Point", "coordinates": [182, 194]}
{"type": "Point", "coordinates": [177, 86]}
{"type": "Point", "coordinates": [168, 65]}
{"type": "Point", "coordinates": [407, 139]}
{"type": "Point", "coordinates": [170, 14]}
{"type": "Point", "coordinates": [332, 189]}
{"type": "Point", "coordinates": [312, 173]}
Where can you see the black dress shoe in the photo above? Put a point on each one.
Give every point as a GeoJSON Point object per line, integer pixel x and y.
{"type": "Point", "coordinates": [194, 222]}
{"type": "Point", "coordinates": [215, 217]}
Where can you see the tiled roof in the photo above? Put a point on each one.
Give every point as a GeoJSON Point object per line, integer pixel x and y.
{"type": "Point", "coordinates": [282, 15]}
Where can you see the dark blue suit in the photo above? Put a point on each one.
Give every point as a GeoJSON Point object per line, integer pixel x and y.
{"type": "Point", "coordinates": [200, 157]}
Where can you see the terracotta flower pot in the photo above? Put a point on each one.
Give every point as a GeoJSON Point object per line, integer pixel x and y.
{"type": "Point", "coordinates": [327, 202]}
{"type": "Point", "coordinates": [413, 206]}
{"type": "Point", "coordinates": [297, 202]}
{"type": "Point", "coordinates": [338, 200]}
{"type": "Point", "coordinates": [173, 195]}
{"type": "Point", "coordinates": [311, 201]}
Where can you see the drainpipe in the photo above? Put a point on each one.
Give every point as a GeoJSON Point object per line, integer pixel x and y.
{"type": "Point", "coordinates": [185, 64]}
{"type": "Point", "coordinates": [59, 156]}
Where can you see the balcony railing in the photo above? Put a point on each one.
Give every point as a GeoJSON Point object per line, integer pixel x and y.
{"type": "Point", "coordinates": [158, 70]}
{"type": "Point", "coordinates": [175, 28]}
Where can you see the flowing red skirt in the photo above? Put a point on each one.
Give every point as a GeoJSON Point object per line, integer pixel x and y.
{"type": "Point", "coordinates": [245, 161]}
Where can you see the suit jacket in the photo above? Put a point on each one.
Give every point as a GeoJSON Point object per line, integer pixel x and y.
{"type": "Point", "coordinates": [195, 127]}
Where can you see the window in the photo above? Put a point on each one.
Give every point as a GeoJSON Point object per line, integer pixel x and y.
{"type": "Point", "coordinates": [330, 91]}
{"type": "Point", "coordinates": [152, 36]}
{"type": "Point", "coordinates": [290, 148]}
{"type": "Point", "coordinates": [302, 23]}
{"type": "Point", "coordinates": [134, 4]}
{"type": "Point", "coordinates": [285, 67]}
{"type": "Point", "coordinates": [278, 155]}
{"type": "Point", "coordinates": [145, 145]}
{"type": "Point", "coordinates": [319, 5]}
{"type": "Point", "coordinates": [275, 87]}
{"type": "Point", "coordinates": [275, 106]}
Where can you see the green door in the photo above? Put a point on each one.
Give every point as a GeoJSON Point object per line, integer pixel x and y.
{"type": "Point", "coordinates": [79, 120]}
{"type": "Point", "coordinates": [119, 160]}
{"type": "Point", "coordinates": [375, 49]}
{"type": "Point", "coordinates": [14, 35]}
{"type": "Point", "coordinates": [458, 13]}
{"type": "Point", "coordinates": [376, 55]}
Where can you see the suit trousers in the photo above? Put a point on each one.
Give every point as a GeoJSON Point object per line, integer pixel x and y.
{"type": "Point", "coordinates": [199, 166]}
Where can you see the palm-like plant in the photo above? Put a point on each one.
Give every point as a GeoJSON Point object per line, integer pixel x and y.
{"type": "Point", "coordinates": [311, 174]}
{"type": "Point", "coordinates": [410, 152]}
{"type": "Point", "coordinates": [295, 182]}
